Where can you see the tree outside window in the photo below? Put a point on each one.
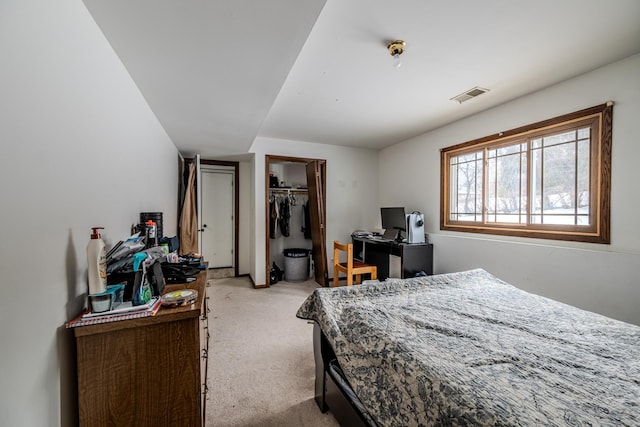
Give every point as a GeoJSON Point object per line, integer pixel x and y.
{"type": "Point", "coordinates": [548, 180]}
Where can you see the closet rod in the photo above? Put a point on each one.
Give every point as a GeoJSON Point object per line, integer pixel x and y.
{"type": "Point", "coordinates": [288, 190]}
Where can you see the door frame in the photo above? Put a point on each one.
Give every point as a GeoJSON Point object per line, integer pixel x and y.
{"type": "Point", "coordinates": [236, 203]}
{"type": "Point", "coordinates": [268, 158]}
{"type": "Point", "coordinates": [206, 171]}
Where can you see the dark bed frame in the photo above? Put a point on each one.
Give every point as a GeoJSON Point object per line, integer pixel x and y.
{"type": "Point", "coordinates": [332, 391]}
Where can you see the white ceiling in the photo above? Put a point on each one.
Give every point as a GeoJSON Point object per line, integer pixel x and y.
{"type": "Point", "coordinates": [217, 74]}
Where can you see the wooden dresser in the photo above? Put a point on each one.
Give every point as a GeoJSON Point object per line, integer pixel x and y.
{"type": "Point", "coordinates": [150, 371]}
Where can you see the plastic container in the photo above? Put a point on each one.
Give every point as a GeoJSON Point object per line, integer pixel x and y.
{"type": "Point", "coordinates": [296, 264]}
{"type": "Point", "coordinates": [155, 217]}
{"type": "Point", "coordinates": [165, 248]}
{"type": "Point", "coordinates": [151, 234]}
{"type": "Point", "coordinates": [97, 262]}
{"type": "Point", "coordinates": [107, 300]}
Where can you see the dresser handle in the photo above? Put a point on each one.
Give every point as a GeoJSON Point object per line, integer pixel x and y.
{"type": "Point", "coordinates": [205, 354]}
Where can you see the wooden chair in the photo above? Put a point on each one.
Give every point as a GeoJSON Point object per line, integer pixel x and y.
{"type": "Point", "coordinates": [351, 267]}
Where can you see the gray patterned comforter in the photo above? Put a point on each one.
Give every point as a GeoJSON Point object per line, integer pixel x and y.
{"type": "Point", "coordinates": [469, 349]}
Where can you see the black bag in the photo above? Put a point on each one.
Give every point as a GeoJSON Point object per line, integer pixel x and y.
{"type": "Point", "coordinates": [179, 273]}
{"type": "Point", "coordinates": [156, 278]}
{"type": "Point", "coordinates": [275, 274]}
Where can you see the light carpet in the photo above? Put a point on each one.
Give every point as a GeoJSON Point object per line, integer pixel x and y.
{"type": "Point", "coordinates": [261, 368]}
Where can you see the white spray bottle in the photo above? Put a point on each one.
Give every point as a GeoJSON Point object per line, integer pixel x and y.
{"type": "Point", "coordinates": [97, 261]}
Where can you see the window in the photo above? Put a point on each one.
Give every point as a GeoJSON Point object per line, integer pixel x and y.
{"type": "Point", "coordinates": [548, 180]}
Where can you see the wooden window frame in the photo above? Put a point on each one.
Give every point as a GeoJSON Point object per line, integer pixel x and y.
{"type": "Point", "coordinates": [598, 230]}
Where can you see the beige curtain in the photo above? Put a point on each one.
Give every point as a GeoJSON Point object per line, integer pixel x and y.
{"type": "Point", "coordinates": [188, 217]}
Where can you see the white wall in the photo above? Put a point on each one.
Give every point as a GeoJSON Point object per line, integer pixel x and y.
{"type": "Point", "coordinates": [244, 219]}
{"type": "Point", "coordinates": [600, 278]}
{"type": "Point", "coordinates": [80, 148]}
{"type": "Point", "coordinates": [352, 188]}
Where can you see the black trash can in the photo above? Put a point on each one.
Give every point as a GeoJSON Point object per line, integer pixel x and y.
{"type": "Point", "coordinates": [296, 264]}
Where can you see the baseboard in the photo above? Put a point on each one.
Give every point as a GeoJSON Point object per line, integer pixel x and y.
{"type": "Point", "coordinates": [253, 282]}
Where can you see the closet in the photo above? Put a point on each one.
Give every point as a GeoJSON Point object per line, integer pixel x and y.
{"type": "Point", "coordinates": [295, 212]}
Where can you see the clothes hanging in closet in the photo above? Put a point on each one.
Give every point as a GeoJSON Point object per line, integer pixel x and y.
{"type": "Point", "coordinates": [284, 214]}
{"type": "Point", "coordinates": [280, 211]}
{"type": "Point", "coordinates": [273, 218]}
{"type": "Point", "coordinates": [306, 221]}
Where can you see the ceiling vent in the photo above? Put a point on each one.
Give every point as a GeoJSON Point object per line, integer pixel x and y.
{"type": "Point", "coordinates": [471, 93]}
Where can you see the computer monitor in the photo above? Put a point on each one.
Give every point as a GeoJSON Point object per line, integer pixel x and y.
{"type": "Point", "coordinates": [393, 222]}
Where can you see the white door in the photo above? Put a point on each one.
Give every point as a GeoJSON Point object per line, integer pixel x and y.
{"type": "Point", "coordinates": [217, 217]}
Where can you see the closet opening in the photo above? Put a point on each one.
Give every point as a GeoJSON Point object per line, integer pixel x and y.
{"type": "Point", "coordinates": [295, 210]}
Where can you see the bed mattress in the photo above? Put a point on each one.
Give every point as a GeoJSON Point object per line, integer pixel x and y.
{"type": "Point", "coordinates": [469, 349]}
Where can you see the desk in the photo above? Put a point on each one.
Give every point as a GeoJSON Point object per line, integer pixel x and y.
{"type": "Point", "coordinates": [412, 257]}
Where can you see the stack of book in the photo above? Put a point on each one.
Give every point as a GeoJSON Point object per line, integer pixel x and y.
{"type": "Point", "coordinates": [125, 311]}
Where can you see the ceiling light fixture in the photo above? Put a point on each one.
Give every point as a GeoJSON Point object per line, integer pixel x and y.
{"type": "Point", "coordinates": [396, 48]}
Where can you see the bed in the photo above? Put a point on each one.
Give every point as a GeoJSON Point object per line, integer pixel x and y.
{"type": "Point", "coordinates": [469, 349]}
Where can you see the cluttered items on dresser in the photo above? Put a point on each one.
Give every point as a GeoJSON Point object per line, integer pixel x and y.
{"type": "Point", "coordinates": [158, 264]}
{"type": "Point", "coordinates": [131, 276]}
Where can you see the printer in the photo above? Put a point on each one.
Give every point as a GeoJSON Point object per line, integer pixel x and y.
{"type": "Point", "coordinates": [415, 227]}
